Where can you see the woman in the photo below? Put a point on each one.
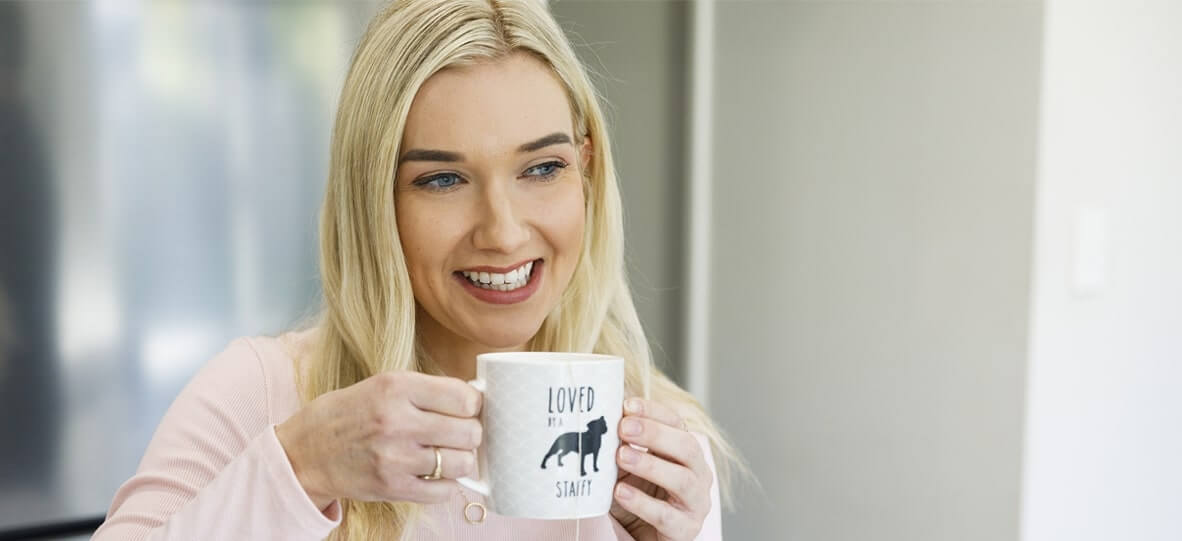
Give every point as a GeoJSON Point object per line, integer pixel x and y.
{"type": "Point", "coordinates": [471, 207]}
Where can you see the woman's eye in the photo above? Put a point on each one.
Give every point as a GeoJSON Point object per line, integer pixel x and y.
{"type": "Point", "coordinates": [442, 182]}
{"type": "Point", "coordinates": [546, 170]}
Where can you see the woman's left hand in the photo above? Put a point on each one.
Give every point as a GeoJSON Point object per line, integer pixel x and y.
{"type": "Point", "coordinates": [663, 494]}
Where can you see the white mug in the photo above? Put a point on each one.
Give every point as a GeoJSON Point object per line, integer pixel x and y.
{"type": "Point", "coordinates": [550, 419]}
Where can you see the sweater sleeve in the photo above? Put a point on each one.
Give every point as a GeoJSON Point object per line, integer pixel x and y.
{"type": "Point", "coordinates": [712, 525]}
{"type": "Point", "coordinates": [215, 468]}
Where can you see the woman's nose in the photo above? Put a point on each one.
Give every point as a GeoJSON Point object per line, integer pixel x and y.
{"type": "Point", "coordinates": [501, 227]}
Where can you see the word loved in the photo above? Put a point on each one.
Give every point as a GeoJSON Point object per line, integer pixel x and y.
{"type": "Point", "coordinates": [572, 399]}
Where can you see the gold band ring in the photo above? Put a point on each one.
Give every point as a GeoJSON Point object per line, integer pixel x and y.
{"type": "Point", "coordinates": [438, 473]}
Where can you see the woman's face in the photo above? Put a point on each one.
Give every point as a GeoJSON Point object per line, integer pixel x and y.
{"type": "Point", "coordinates": [489, 200]}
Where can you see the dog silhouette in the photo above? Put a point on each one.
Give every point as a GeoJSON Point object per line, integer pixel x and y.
{"type": "Point", "coordinates": [570, 442]}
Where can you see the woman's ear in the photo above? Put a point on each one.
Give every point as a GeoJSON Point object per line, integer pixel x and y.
{"type": "Point", "coordinates": [586, 152]}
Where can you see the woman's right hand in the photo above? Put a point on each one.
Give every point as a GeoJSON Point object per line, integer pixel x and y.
{"type": "Point", "coordinates": [372, 440]}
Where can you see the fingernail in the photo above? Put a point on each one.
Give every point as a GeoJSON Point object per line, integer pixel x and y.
{"type": "Point", "coordinates": [630, 427]}
{"type": "Point", "coordinates": [628, 455]}
{"type": "Point", "coordinates": [623, 491]}
{"type": "Point", "coordinates": [632, 405]}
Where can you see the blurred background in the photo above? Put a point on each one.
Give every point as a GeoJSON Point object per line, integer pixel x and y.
{"type": "Point", "coordinates": [921, 259]}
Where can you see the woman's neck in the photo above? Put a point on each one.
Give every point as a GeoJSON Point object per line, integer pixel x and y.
{"type": "Point", "coordinates": [454, 354]}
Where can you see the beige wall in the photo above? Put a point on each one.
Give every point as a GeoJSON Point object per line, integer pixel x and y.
{"type": "Point", "coordinates": [638, 51]}
{"type": "Point", "coordinates": [881, 291]}
{"type": "Point", "coordinates": [873, 181]}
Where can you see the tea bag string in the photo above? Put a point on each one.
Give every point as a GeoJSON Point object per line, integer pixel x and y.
{"type": "Point", "coordinates": [570, 372]}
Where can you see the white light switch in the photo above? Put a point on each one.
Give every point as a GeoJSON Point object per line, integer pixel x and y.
{"type": "Point", "coordinates": [1090, 265]}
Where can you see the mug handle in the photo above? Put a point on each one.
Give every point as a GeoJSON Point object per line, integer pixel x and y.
{"type": "Point", "coordinates": [478, 485]}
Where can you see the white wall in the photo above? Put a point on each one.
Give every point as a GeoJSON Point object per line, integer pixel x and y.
{"type": "Point", "coordinates": [1104, 428]}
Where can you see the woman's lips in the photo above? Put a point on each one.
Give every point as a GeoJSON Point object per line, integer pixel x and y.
{"type": "Point", "coordinates": [500, 270]}
{"type": "Point", "coordinates": [493, 296]}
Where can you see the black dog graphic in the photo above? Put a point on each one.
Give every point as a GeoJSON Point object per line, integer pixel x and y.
{"type": "Point", "coordinates": [570, 443]}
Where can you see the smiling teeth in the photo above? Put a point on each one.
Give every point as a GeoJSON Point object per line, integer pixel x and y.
{"type": "Point", "coordinates": [501, 282]}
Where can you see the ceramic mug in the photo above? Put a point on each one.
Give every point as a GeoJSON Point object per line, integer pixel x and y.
{"type": "Point", "coordinates": [550, 441]}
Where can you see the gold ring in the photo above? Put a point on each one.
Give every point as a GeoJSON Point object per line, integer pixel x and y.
{"type": "Point", "coordinates": [478, 505]}
{"type": "Point", "coordinates": [438, 473]}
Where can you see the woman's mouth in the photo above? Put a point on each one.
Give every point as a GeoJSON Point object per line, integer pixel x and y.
{"type": "Point", "coordinates": [509, 281]}
{"type": "Point", "coordinates": [510, 287]}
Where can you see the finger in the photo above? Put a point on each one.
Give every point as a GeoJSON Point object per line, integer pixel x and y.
{"type": "Point", "coordinates": [425, 491]}
{"type": "Point", "coordinates": [655, 411]}
{"type": "Point", "coordinates": [455, 463]}
{"type": "Point", "coordinates": [659, 438]}
{"type": "Point", "coordinates": [448, 396]}
{"type": "Point", "coordinates": [676, 479]}
{"type": "Point", "coordinates": [668, 520]}
{"type": "Point", "coordinates": [444, 431]}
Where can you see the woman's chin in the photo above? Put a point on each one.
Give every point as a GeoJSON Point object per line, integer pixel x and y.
{"type": "Point", "coordinates": [505, 339]}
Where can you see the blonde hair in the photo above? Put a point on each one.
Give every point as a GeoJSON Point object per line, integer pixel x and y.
{"type": "Point", "coordinates": [367, 324]}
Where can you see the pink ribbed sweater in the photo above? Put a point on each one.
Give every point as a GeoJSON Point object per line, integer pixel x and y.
{"type": "Point", "coordinates": [215, 469]}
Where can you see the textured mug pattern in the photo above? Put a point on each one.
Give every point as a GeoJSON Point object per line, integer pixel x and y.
{"type": "Point", "coordinates": [550, 436]}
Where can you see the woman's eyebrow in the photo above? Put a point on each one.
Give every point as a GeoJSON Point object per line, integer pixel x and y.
{"type": "Point", "coordinates": [418, 154]}
{"type": "Point", "coordinates": [429, 155]}
{"type": "Point", "coordinates": [555, 138]}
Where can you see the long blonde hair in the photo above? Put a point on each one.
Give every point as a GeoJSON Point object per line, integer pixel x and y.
{"type": "Point", "coordinates": [367, 324]}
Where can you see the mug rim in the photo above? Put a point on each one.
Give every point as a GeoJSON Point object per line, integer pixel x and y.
{"type": "Point", "coordinates": [548, 357]}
